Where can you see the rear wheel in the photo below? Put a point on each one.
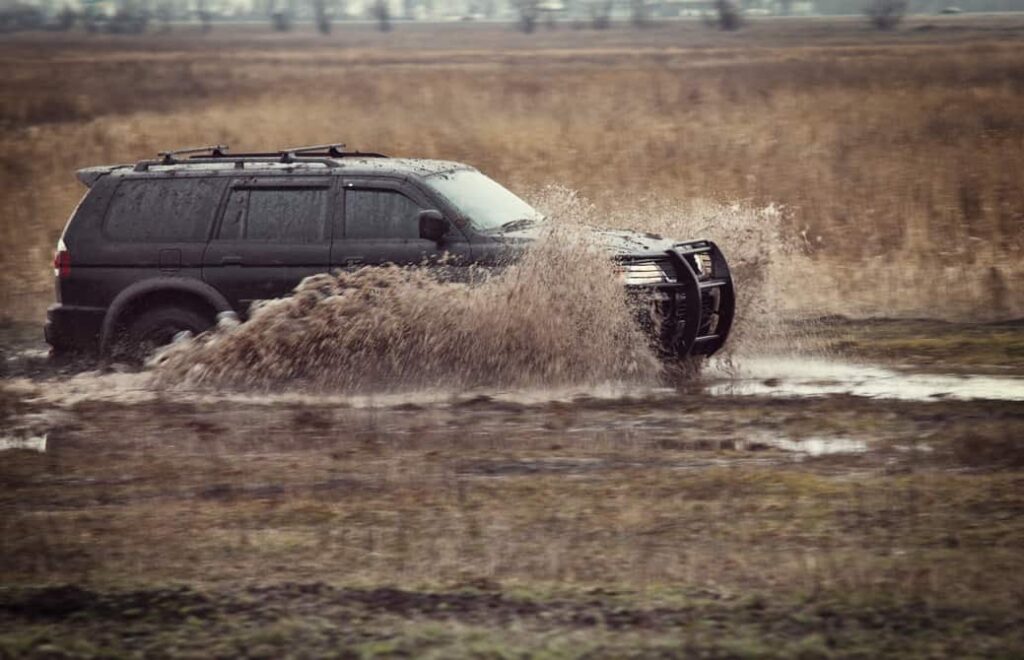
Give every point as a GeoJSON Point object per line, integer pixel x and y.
{"type": "Point", "coordinates": [157, 327]}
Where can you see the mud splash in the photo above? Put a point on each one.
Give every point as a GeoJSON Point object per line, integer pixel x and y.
{"type": "Point", "coordinates": [761, 256]}
{"type": "Point", "coordinates": [558, 316]}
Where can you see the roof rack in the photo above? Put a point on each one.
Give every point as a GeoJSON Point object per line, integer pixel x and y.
{"type": "Point", "coordinates": [323, 154]}
{"type": "Point", "coordinates": [336, 150]}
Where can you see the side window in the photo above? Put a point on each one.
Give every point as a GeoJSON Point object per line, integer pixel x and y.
{"type": "Point", "coordinates": [380, 214]}
{"type": "Point", "coordinates": [286, 215]}
{"type": "Point", "coordinates": [162, 210]}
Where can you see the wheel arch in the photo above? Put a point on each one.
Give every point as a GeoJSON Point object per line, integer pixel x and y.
{"type": "Point", "coordinates": [159, 291]}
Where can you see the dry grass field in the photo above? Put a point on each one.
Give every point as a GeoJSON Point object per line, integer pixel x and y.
{"type": "Point", "coordinates": [896, 159]}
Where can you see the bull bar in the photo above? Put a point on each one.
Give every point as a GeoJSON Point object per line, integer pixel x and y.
{"type": "Point", "coordinates": [695, 309]}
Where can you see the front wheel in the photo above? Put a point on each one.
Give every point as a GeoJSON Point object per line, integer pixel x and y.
{"type": "Point", "coordinates": [157, 327]}
{"type": "Point", "coordinates": [684, 371]}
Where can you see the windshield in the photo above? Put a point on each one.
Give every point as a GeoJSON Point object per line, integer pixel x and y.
{"type": "Point", "coordinates": [489, 205]}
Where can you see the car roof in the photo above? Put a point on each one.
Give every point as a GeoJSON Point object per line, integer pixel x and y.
{"type": "Point", "coordinates": [362, 166]}
{"type": "Point", "coordinates": [418, 166]}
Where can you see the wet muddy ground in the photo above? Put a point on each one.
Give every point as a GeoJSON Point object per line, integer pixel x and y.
{"type": "Point", "coordinates": [827, 505]}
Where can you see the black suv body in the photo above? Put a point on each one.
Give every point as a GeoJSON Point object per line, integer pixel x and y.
{"type": "Point", "coordinates": [166, 245]}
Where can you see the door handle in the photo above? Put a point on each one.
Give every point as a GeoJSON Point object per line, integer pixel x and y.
{"type": "Point", "coordinates": [231, 261]}
{"type": "Point", "coordinates": [353, 261]}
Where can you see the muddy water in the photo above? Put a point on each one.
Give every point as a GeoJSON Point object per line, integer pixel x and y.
{"type": "Point", "coordinates": [808, 376]}
{"type": "Point", "coordinates": [819, 446]}
{"type": "Point", "coordinates": [759, 377]}
{"type": "Point", "coordinates": [31, 443]}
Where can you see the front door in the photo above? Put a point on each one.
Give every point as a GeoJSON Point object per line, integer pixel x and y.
{"type": "Point", "coordinates": [272, 233]}
{"type": "Point", "coordinates": [380, 225]}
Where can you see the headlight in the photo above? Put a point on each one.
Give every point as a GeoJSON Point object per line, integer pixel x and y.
{"type": "Point", "coordinates": [702, 265]}
{"type": "Point", "coordinates": [645, 272]}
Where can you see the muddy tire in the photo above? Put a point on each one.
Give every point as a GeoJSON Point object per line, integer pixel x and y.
{"type": "Point", "coordinates": [157, 327]}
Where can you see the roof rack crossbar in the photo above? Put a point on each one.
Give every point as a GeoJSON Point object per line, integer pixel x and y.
{"type": "Point", "coordinates": [336, 148]}
{"type": "Point", "coordinates": [216, 150]}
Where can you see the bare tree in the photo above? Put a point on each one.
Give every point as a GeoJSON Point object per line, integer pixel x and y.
{"type": "Point", "coordinates": [205, 17]}
{"type": "Point", "coordinates": [322, 17]}
{"type": "Point", "coordinates": [66, 18]}
{"type": "Point", "coordinates": [639, 13]}
{"type": "Point", "coordinates": [382, 13]}
{"type": "Point", "coordinates": [280, 17]}
{"type": "Point", "coordinates": [164, 15]}
{"type": "Point", "coordinates": [728, 15]}
{"type": "Point", "coordinates": [601, 14]}
{"type": "Point", "coordinates": [886, 14]}
{"type": "Point", "coordinates": [91, 19]}
{"type": "Point", "coordinates": [529, 11]}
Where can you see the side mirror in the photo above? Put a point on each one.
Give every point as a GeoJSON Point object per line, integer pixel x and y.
{"type": "Point", "coordinates": [433, 226]}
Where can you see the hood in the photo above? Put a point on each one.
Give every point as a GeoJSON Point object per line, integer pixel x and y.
{"type": "Point", "coordinates": [615, 241]}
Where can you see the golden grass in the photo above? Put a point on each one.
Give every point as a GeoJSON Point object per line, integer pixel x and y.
{"type": "Point", "coordinates": [897, 159]}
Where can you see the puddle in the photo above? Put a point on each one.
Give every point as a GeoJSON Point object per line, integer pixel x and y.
{"type": "Point", "coordinates": [31, 443]}
{"type": "Point", "coordinates": [787, 377]}
{"type": "Point", "coordinates": [135, 388]}
{"type": "Point", "coordinates": [804, 377]}
{"type": "Point", "coordinates": [815, 446]}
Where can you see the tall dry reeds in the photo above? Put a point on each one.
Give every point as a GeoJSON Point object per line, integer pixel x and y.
{"type": "Point", "coordinates": [897, 166]}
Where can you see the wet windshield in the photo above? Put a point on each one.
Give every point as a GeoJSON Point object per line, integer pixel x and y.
{"type": "Point", "coordinates": [488, 204]}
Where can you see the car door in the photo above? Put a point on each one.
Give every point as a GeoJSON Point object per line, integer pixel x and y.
{"type": "Point", "coordinates": [380, 225]}
{"type": "Point", "coordinates": [272, 233]}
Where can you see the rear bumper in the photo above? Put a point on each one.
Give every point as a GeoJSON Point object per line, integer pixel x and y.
{"type": "Point", "coordinates": [694, 314]}
{"type": "Point", "coordinates": [71, 328]}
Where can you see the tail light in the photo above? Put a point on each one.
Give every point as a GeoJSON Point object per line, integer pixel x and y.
{"type": "Point", "coordinates": [61, 260]}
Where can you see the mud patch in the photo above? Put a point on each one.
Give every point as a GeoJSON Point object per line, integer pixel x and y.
{"type": "Point", "coordinates": [323, 620]}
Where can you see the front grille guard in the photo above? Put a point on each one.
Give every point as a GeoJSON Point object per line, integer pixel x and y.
{"type": "Point", "coordinates": [695, 312]}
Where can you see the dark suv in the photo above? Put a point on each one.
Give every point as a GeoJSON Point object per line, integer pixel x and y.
{"type": "Point", "coordinates": [166, 245]}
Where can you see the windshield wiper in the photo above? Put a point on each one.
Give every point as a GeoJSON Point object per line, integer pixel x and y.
{"type": "Point", "coordinates": [521, 223]}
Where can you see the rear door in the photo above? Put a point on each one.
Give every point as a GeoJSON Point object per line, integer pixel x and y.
{"type": "Point", "coordinates": [380, 225]}
{"type": "Point", "coordinates": [272, 233]}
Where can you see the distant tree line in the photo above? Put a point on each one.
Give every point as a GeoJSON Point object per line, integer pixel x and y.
{"type": "Point", "coordinates": [136, 16]}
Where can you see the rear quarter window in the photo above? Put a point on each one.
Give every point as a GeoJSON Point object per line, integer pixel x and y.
{"type": "Point", "coordinates": [162, 210]}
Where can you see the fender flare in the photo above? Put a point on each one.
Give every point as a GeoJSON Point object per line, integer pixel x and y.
{"type": "Point", "coordinates": [132, 293]}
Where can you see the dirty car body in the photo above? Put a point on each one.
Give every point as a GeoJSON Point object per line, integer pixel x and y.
{"type": "Point", "coordinates": [166, 245]}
